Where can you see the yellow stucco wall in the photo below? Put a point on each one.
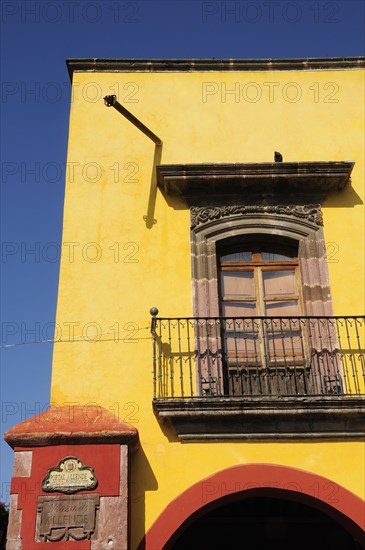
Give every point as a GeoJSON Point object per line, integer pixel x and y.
{"type": "Point", "coordinates": [107, 289]}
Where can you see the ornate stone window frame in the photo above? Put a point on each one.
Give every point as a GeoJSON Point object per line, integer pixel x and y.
{"type": "Point", "coordinates": [209, 225]}
{"type": "Point", "coordinates": [281, 199]}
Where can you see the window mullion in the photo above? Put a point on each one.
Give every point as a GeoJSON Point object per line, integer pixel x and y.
{"type": "Point", "coordinates": [260, 309]}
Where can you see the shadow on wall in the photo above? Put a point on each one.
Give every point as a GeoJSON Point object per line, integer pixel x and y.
{"type": "Point", "coordinates": [349, 198]}
{"type": "Point", "coordinates": [142, 480]}
{"type": "Point", "coordinates": [149, 218]}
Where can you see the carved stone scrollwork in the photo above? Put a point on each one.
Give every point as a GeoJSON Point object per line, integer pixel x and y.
{"type": "Point", "coordinates": [203, 215]}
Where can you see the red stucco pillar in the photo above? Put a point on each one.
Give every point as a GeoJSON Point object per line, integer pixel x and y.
{"type": "Point", "coordinates": [70, 480]}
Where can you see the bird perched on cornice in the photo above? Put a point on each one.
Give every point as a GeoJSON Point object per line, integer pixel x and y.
{"type": "Point", "coordinates": [278, 157]}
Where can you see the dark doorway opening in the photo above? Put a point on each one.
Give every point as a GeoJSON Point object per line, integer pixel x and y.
{"type": "Point", "coordinates": [264, 523]}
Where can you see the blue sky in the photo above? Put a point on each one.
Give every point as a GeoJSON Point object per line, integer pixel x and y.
{"type": "Point", "coordinates": [36, 38]}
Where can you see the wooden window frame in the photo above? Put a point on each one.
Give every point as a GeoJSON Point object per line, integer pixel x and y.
{"type": "Point", "coordinates": [213, 228]}
{"type": "Point", "coordinates": [258, 266]}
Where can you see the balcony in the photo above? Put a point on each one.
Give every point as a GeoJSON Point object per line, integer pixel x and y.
{"type": "Point", "coordinates": [260, 377]}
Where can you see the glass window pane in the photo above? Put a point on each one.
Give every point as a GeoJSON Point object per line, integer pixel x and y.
{"type": "Point", "coordinates": [273, 257]}
{"type": "Point", "coordinates": [235, 283]}
{"type": "Point", "coordinates": [237, 257]}
{"type": "Point", "coordinates": [279, 282]}
{"type": "Point", "coordinates": [239, 309]}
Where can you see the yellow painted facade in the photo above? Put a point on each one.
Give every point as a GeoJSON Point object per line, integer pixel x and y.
{"type": "Point", "coordinates": [126, 247]}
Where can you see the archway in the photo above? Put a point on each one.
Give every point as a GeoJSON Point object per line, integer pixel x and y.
{"type": "Point", "coordinates": [261, 522]}
{"type": "Point", "coordinates": [240, 488]}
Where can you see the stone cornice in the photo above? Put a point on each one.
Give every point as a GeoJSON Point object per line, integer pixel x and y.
{"type": "Point", "coordinates": [213, 65]}
{"type": "Point", "coordinates": [255, 180]}
{"type": "Point", "coordinates": [74, 425]}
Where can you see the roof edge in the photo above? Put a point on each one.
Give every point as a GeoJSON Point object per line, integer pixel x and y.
{"type": "Point", "coordinates": [207, 65]}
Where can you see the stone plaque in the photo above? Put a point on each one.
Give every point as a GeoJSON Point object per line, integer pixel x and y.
{"type": "Point", "coordinates": [69, 477]}
{"type": "Point", "coordinates": [66, 518]}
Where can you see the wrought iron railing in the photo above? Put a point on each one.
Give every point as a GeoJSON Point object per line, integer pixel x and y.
{"type": "Point", "coordinates": [253, 356]}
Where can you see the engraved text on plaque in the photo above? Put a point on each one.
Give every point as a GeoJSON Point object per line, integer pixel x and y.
{"type": "Point", "coordinates": [69, 477]}
{"type": "Point", "coordinates": [66, 518]}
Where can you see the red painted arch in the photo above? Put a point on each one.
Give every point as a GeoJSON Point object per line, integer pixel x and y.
{"type": "Point", "coordinates": [252, 480]}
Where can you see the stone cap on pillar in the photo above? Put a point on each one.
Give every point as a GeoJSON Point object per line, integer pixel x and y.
{"type": "Point", "coordinates": [74, 424]}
